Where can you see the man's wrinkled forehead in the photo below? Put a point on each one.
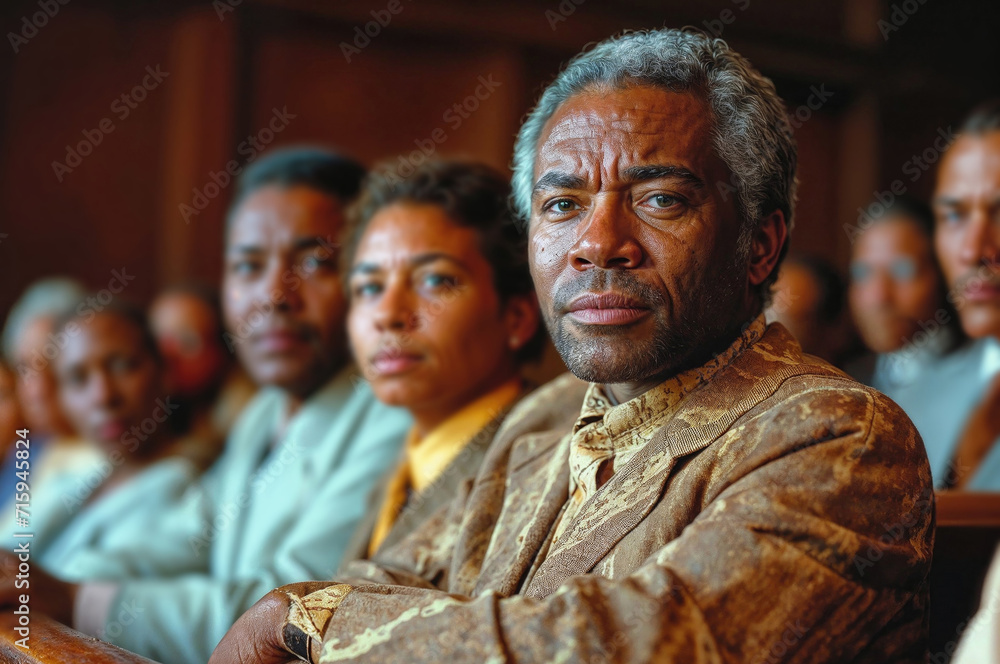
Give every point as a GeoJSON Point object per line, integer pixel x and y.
{"type": "Point", "coordinates": [627, 126]}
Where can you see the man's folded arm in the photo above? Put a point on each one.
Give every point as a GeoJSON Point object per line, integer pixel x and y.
{"type": "Point", "coordinates": [798, 558]}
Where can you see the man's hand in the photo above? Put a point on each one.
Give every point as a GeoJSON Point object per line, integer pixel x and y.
{"type": "Point", "coordinates": [49, 595]}
{"type": "Point", "coordinates": [257, 637]}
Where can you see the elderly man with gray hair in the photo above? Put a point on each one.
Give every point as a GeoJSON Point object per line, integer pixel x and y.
{"type": "Point", "coordinates": [700, 490]}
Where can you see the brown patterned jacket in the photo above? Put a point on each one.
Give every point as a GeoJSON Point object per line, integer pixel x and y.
{"type": "Point", "coordinates": [783, 513]}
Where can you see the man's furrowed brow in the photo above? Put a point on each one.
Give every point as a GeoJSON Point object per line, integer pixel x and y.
{"type": "Point", "coordinates": [658, 172]}
{"type": "Point", "coordinates": [558, 180]}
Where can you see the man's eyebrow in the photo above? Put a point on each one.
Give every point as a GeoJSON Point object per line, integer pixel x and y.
{"type": "Point", "coordinates": [416, 261]}
{"type": "Point", "coordinates": [656, 172]}
{"type": "Point", "coordinates": [558, 180]}
{"type": "Point", "coordinates": [306, 242]}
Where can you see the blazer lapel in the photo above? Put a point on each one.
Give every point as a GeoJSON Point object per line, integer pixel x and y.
{"type": "Point", "coordinates": [357, 546]}
{"type": "Point", "coordinates": [465, 466]}
{"type": "Point", "coordinates": [606, 517]}
{"type": "Point", "coordinates": [618, 506]}
{"type": "Point", "coordinates": [534, 492]}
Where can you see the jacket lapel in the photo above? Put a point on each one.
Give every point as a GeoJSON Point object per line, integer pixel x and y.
{"type": "Point", "coordinates": [465, 466]}
{"type": "Point", "coordinates": [534, 491]}
{"type": "Point", "coordinates": [618, 506]}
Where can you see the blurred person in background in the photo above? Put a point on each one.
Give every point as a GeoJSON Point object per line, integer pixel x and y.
{"type": "Point", "coordinates": [967, 239]}
{"type": "Point", "coordinates": [442, 314]}
{"type": "Point", "coordinates": [808, 298]}
{"type": "Point", "coordinates": [282, 501]}
{"type": "Point", "coordinates": [918, 356]}
{"type": "Point", "coordinates": [111, 387]}
{"type": "Point", "coordinates": [30, 346]}
{"type": "Point", "coordinates": [210, 388]}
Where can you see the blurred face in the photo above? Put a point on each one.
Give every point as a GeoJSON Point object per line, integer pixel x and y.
{"type": "Point", "coordinates": [187, 332]}
{"type": "Point", "coordinates": [282, 297]}
{"type": "Point", "coordinates": [426, 324]}
{"type": "Point", "coordinates": [894, 284]}
{"type": "Point", "coordinates": [795, 304]}
{"type": "Point", "coordinates": [108, 380]}
{"type": "Point", "coordinates": [36, 384]}
{"type": "Point", "coordinates": [633, 246]}
{"type": "Point", "coordinates": [967, 207]}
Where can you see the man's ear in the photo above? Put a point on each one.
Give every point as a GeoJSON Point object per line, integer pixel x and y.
{"type": "Point", "coordinates": [521, 319]}
{"type": "Point", "coordinates": [768, 242]}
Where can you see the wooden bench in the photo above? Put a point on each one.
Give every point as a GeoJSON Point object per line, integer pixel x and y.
{"type": "Point", "coordinates": [54, 643]}
{"type": "Point", "coordinates": [968, 533]}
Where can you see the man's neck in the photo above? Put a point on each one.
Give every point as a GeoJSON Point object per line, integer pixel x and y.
{"type": "Point", "coordinates": [296, 398]}
{"type": "Point", "coordinates": [621, 392]}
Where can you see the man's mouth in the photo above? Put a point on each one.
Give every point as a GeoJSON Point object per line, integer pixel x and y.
{"type": "Point", "coordinates": [278, 340]}
{"type": "Point", "coordinates": [606, 309]}
{"type": "Point", "coordinates": [977, 290]}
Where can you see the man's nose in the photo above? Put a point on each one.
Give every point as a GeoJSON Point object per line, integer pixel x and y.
{"type": "Point", "coordinates": [981, 239]}
{"type": "Point", "coordinates": [282, 288]}
{"type": "Point", "coordinates": [606, 239]}
{"type": "Point", "coordinates": [880, 288]}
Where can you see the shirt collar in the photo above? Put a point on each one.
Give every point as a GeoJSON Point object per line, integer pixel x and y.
{"type": "Point", "coordinates": [646, 413]}
{"type": "Point", "coordinates": [427, 457]}
{"type": "Point", "coordinates": [604, 431]}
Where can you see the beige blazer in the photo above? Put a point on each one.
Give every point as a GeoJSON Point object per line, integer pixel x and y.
{"type": "Point", "coordinates": [784, 514]}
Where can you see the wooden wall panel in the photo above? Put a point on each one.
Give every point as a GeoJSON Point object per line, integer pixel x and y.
{"type": "Point", "coordinates": [101, 216]}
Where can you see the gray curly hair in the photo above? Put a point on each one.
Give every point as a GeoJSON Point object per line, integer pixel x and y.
{"type": "Point", "coordinates": [751, 128]}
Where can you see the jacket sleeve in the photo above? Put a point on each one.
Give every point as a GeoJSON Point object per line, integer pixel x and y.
{"type": "Point", "coordinates": [182, 618]}
{"type": "Point", "coordinates": [807, 555]}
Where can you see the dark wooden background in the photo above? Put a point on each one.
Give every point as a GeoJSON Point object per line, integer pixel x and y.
{"type": "Point", "coordinates": [119, 208]}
